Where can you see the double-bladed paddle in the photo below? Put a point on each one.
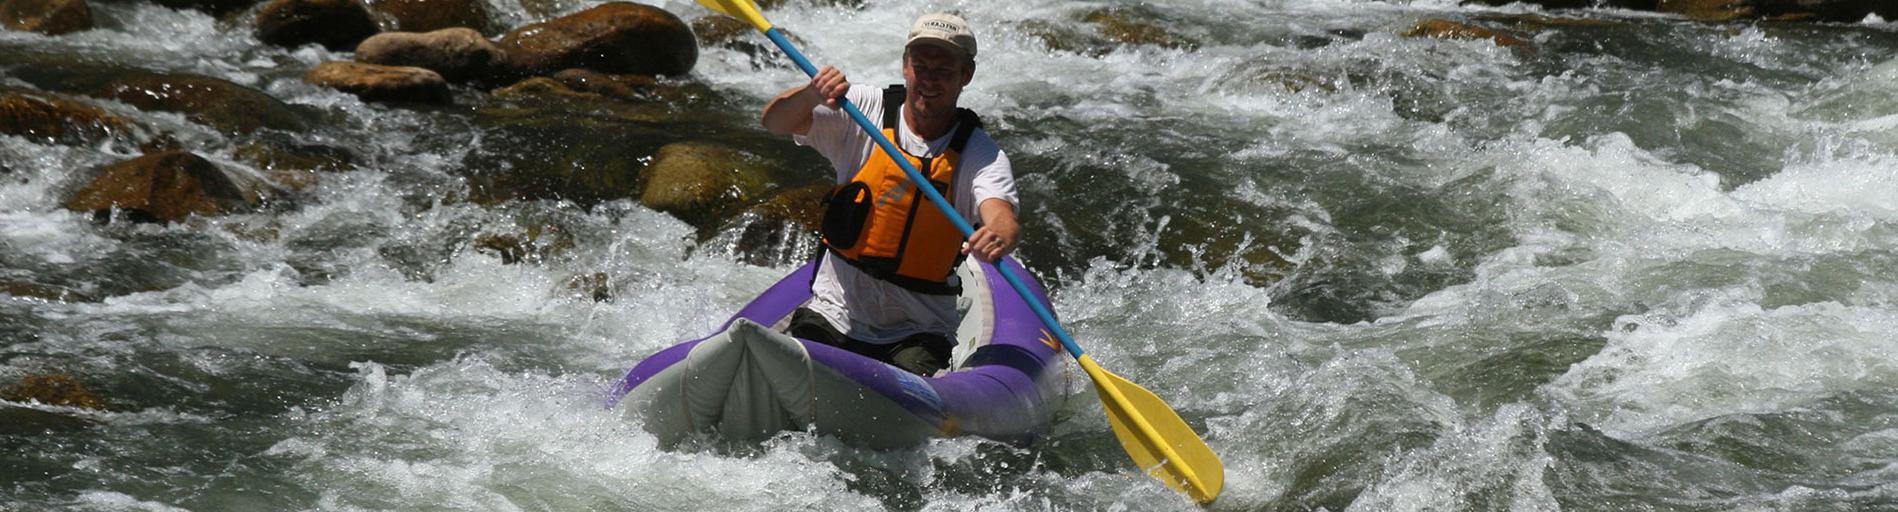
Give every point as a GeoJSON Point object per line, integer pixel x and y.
{"type": "Point", "coordinates": [1153, 435]}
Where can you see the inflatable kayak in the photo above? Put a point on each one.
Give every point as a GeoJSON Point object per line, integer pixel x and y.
{"type": "Point", "coordinates": [749, 380]}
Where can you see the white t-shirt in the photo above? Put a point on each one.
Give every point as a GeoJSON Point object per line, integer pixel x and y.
{"type": "Point", "coordinates": [862, 306]}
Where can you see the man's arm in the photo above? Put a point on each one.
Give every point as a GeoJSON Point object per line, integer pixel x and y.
{"type": "Point", "coordinates": [790, 112]}
{"type": "Point", "coordinates": [999, 232]}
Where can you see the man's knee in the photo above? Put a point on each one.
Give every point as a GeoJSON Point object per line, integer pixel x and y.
{"type": "Point", "coordinates": [923, 354]}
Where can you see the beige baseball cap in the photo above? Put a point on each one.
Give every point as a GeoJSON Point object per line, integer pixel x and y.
{"type": "Point", "coordinates": [945, 30]}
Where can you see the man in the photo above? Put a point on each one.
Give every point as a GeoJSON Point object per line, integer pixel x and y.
{"type": "Point", "coordinates": [885, 286]}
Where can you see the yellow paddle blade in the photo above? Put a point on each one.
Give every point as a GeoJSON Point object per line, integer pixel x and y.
{"type": "Point", "coordinates": [1156, 438]}
{"type": "Point", "coordinates": [741, 9]}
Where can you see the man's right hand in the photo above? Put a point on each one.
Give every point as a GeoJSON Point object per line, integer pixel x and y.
{"type": "Point", "coordinates": [828, 84]}
{"type": "Point", "coordinates": [790, 112]}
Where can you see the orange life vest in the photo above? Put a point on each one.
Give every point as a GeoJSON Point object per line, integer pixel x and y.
{"type": "Point", "coordinates": [880, 224]}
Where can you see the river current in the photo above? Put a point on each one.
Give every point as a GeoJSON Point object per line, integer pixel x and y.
{"type": "Point", "coordinates": [1638, 263]}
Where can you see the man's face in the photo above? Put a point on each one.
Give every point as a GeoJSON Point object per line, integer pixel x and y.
{"type": "Point", "coordinates": [935, 77]}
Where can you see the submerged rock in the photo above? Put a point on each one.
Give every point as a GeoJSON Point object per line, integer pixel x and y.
{"type": "Point", "coordinates": [212, 7]}
{"type": "Point", "coordinates": [432, 15]}
{"type": "Point", "coordinates": [50, 17]}
{"type": "Point", "coordinates": [616, 37]}
{"type": "Point", "coordinates": [1446, 29]}
{"type": "Point", "coordinates": [52, 119]}
{"type": "Point", "coordinates": [335, 24]}
{"type": "Point", "coordinates": [373, 82]}
{"type": "Point", "coordinates": [458, 54]}
{"type": "Point", "coordinates": [169, 187]}
{"type": "Point", "coordinates": [58, 390]}
{"type": "Point", "coordinates": [46, 292]}
{"type": "Point", "coordinates": [227, 106]}
{"type": "Point", "coordinates": [700, 182]}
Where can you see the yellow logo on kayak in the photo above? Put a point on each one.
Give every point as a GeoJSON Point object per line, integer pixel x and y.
{"type": "Point", "coordinates": [1048, 339]}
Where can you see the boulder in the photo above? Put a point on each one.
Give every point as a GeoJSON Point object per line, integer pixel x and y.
{"type": "Point", "coordinates": [616, 37]}
{"type": "Point", "coordinates": [169, 187]}
{"type": "Point", "coordinates": [221, 104]}
{"type": "Point", "coordinates": [1446, 29]}
{"type": "Point", "coordinates": [458, 54]}
{"type": "Point", "coordinates": [52, 119]}
{"type": "Point", "coordinates": [432, 15]}
{"type": "Point", "coordinates": [50, 17]}
{"type": "Point", "coordinates": [701, 182]}
{"type": "Point", "coordinates": [335, 24]}
{"type": "Point", "coordinates": [58, 390]}
{"type": "Point", "coordinates": [373, 82]}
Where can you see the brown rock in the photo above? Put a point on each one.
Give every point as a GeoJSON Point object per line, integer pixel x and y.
{"type": "Point", "coordinates": [221, 104]}
{"type": "Point", "coordinates": [1446, 29]}
{"type": "Point", "coordinates": [52, 119]}
{"type": "Point", "coordinates": [781, 230]}
{"type": "Point", "coordinates": [50, 17]}
{"type": "Point", "coordinates": [617, 37]}
{"type": "Point", "coordinates": [430, 15]}
{"type": "Point", "coordinates": [44, 292]}
{"type": "Point", "coordinates": [336, 24]}
{"type": "Point", "coordinates": [1706, 10]}
{"type": "Point", "coordinates": [212, 7]}
{"type": "Point", "coordinates": [373, 82]}
{"type": "Point", "coordinates": [59, 390]}
{"type": "Point", "coordinates": [701, 181]}
{"type": "Point", "coordinates": [458, 54]}
{"type": "Point", "coordinates": [625, 87]}
{"type": "Point", "coordinates": [168, 187]}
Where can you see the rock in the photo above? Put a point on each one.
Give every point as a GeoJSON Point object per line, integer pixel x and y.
{"type": "Point", "coordinates": [212, 7]}
{"type": "Point", "coordinates": [46, 292]}
{"type": "Point", "coordinates": [623, 87]}
{"type": "Point", "coordinates": [539, 243]}
{"type": "Point", "coordinates": [1706, 10]}
{"type": "Point", "coordinates": [227, 106]}
{"type": "Point", "coordinates": [169, 187]}
{"type": "Point", "coordinates": [295, 156]}
{"type": "Point", "coordinates": [1129, 26]}
{"type": "Point", "coordinates": [431, 15]}
{"type": "Point", "coordinates": [291, 165]}
{"type": "Point", "coordinates": [57, 390]}
{"type": "Point", "coordinates": [372, 82]}
{"type": "Point", "coordinates": [335, 24]}
{"type": "Point", "coordinates": [700, 182]}
{"type": "Point", "coordinates": [1838, 11]}
{"type": "Point", "coordinates": [616, 37]}
{"type": "Point", "coordinates": [458, 54]}
{"type": "Point", "coordinates": [1112, 29]}
{"type": "Point", "coordinates": [781, 230]}
{"type": "Point", "coordinates": [51, 119]}
{"type": "Point", "coordinates": [595, 286]}
{"type": "Point", "coordinates": [50, 17]}
{"type": "Point", "coordinates": [722, 31]}
{"type": "Point", "coordinates": [1446, 29]}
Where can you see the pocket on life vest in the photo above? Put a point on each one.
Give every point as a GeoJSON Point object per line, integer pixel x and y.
{"type": "Point", "coordinates": [846, 209]}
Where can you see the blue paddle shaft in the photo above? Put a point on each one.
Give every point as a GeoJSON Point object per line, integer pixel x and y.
{"type": "Point", "coordinates": [916, 178]}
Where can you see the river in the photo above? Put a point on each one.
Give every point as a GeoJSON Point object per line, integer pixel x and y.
{"type": "Point", "coordinates": [1637, 263]}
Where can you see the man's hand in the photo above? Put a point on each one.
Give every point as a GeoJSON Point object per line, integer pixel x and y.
{"type": "Point", "coordinates": [790, 112]}
{"type": "Point", "coordinates": [828, 84]}
{"type": "Point", "coordinates": [997, 236]}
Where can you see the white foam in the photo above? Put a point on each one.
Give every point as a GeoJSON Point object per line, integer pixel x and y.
{"type": "Point", "coordinates": [1724, 354]}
